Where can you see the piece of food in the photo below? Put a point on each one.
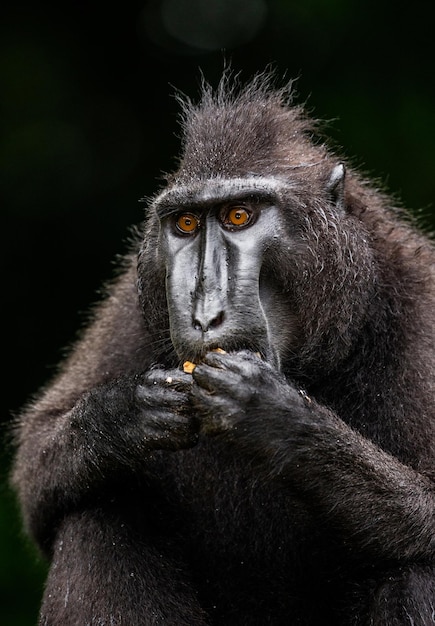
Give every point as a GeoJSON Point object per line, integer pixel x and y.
{"type": "Point", "coordinates": [188, 366]}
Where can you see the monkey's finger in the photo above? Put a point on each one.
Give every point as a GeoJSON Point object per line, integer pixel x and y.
{"type": "Point", "coordinates": [219, 360]}
{"type": "Point", "coordinates": [245, 363]}
{"type": "Point", "coordinates": [168, 430]}
{"type": "Point", "coordinates": [160, 420]}
{"type": "Point", "coordinates": [154, 395]}
{"type": "Point", "coordinates": [216, 414]}
{"type": "Point", "coordinates": [214, 379]}
{"type": "Point", "coordinates": [175, 378]}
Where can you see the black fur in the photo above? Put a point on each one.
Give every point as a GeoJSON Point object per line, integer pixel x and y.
{"type": "Point", "coordinates": [295, 491]}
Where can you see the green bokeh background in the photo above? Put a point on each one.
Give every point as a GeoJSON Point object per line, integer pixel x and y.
{"type": "Point", "coordinates": [88, 124]}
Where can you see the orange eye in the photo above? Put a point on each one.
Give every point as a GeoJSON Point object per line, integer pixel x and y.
{"type": "Point", "coordinates": [237, 216]}
{"type": "Point", "coordinates": [187, 223]}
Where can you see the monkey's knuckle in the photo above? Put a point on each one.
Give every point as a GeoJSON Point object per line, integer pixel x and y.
{"type": "Point", "coordinates": [218, 422]}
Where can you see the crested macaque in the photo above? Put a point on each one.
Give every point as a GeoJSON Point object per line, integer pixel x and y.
{"type": "Point", "coordinates": [289, 478]}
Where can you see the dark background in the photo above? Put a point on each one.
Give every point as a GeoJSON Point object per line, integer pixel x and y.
{"type": "Point", "coordinates": [88, 124]}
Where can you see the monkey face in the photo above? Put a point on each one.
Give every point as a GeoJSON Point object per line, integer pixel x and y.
{"type": "Point", "coordinates": [215, 244]}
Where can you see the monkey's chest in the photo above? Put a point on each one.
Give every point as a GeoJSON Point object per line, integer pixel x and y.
{"type": "Point", "coordinates": [213, 489]}
{"type": "Point", "coordinates": [241, 534]}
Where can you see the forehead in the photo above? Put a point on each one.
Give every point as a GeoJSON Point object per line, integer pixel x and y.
{"type": "Point", "coordinates": [215, 190]}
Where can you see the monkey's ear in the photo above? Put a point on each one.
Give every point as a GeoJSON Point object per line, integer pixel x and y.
{"type": "Point", "coordinates": [335, 186]}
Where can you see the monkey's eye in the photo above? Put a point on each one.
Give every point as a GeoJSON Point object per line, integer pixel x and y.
{"type": "Point", "coordinates": [236, 216]}
{"type": "Point", "coordinates": [187, 223]}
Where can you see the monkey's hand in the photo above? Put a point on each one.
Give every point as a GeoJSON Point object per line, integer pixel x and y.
{"type": "Point", "coordinates": [244, 398]}
{"type": "Point", "coordinates": [361, 489]}
{"type": "Point", "coordinates": [125, 419]}
{"type": "Point", "coordinates": [162, 401]}
{"type": "Point", "coordinates": [120, 421]}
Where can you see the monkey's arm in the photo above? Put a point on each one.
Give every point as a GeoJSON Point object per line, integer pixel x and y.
{"type": "Point", "coordinates": [99, 418]}
{"type": "Point", "coordinates": [382, 508]}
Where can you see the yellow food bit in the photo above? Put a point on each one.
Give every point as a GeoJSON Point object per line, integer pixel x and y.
{"type": "Point", "coordinates": [188, 366]}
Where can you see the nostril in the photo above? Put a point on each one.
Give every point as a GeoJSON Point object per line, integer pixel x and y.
{"type": "Point", "coordinates": [197, 325]}
{"type": "Point", "coordinates": [217, 321]}
{"type": "Point", "coordinates": [204, 324]}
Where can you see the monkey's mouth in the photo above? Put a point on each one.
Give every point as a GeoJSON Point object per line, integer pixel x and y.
{"type": "Point", "coordinates": [198, 353]}
{"type": "Point", "coordinates": [189, 366]}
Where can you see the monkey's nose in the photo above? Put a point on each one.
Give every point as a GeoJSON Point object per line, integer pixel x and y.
{"type": "Point", "coordinates": [206, 322]}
